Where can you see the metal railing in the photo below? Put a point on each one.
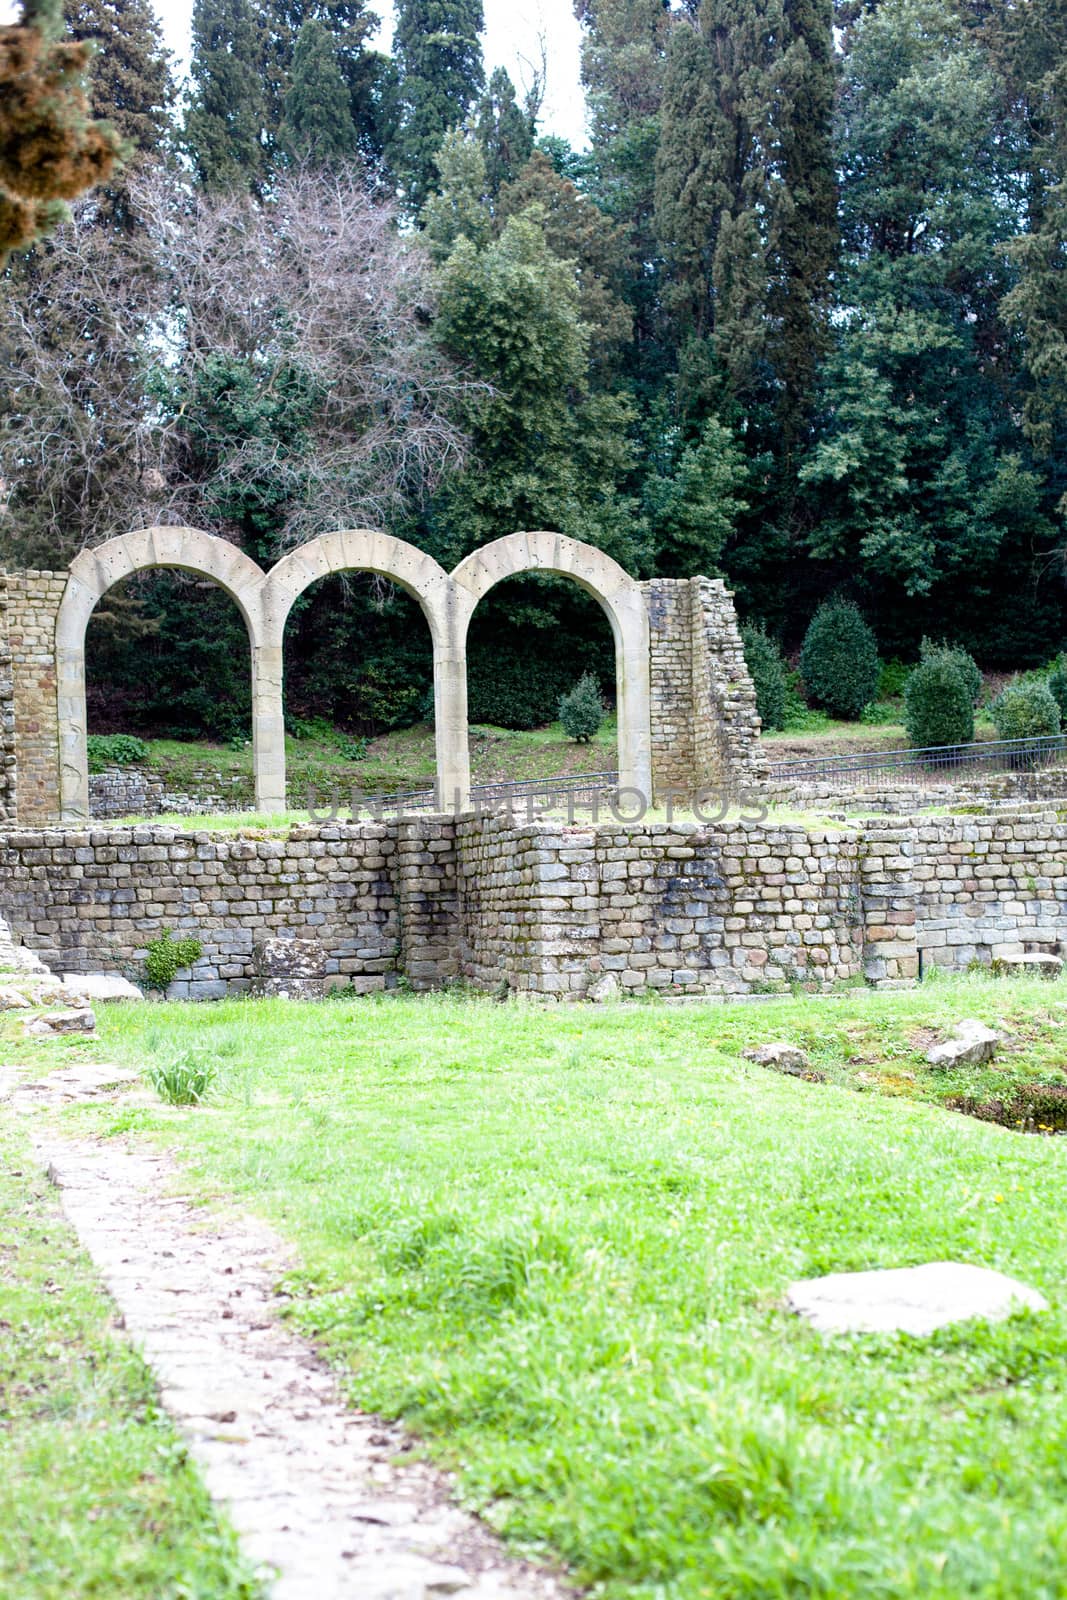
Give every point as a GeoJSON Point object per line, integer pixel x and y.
{"type": "Point", "coordinates": [925, 768]}
{"type": "Point", "coordinates": [524, 794]}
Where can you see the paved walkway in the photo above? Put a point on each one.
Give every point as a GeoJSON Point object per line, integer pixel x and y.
{"type": "Point", "coordinates": [319, 1494]}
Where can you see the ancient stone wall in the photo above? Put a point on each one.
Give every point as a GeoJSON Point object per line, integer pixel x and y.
{"type": "Point", "coordinates": [93, 898]}
{"type": "Point", "coordinates": [705, 727]}
{"type": "Point", "coordinates": [138, 792]}
{"type": "Point", "coordinates": [7, 713]}
{"type": "Point", "coordinates": [32, 603]}
{"type": "Point", "coordinates": [548, 910]}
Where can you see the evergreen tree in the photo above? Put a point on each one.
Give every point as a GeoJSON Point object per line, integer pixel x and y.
{"type": "Point", "coordinates": [439, 60]}
{"type": "Point", "coordinates": [460, 208]}
{"type": "Point", "coordinates": [50, 149]}
{"type": "Point", "coordinates": [366, 75]}
{"type": "Point", "coordinates": [225, 125]}
{"type": "Point", "coordinates": [130, 83]}
{"type": "Point", "coordinates": [576, 230]}
{"type": "Point", "coordinates": [505, 129]}
{"type": "Point", "coordinates": [318, 122]}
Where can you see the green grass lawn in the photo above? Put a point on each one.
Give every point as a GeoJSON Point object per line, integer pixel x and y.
{"type": "Point", "coordinates": [556, 1242]}
{"type": "Point", "coordinates": [96, 1496]}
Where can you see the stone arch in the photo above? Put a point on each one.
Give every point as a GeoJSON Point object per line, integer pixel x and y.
{"type": "Point", "coordinates": [92, 574]}
{"type": "Point", "coordinates": [366, 550]}
{"type": "Point", "coordinates": [620, 597]}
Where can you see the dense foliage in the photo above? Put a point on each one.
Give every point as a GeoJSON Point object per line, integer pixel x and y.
{"type": "Point", "coordinates": [797, 317]}
{"type": "Point", "coordinates": [839, 659]}
{"type": "Point", "coordinates": [581, 711]}
{"type": "Point", "coordinates": [938, 703]}
{"type": "Point", "coordinates": [1026, 711]}
{"type": "Point", "coordinates": [764, 661]}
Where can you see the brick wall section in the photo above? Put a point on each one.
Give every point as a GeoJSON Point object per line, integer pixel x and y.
{"type": "Point", "coordinates": [33, 602]}
{"type": "Point", "coordinates": [705, 727]}
{"type": "Point", "coordinates": [92, 899]}
{"type": "Point", "coordinates": [670, 618]}
{"type": "Point", "coordinates": [427, 900]}
{"type": "Point", "coordinates": [985, 884]}
{"type": "Point", "coordinates": [726, 724]}
{"type": "Point", "coordinates": [727, 909]}
{"type": "Point", "coordinates": [888, 892]}
{"type": "Point", "coordinates": [7, 713]}
{"type": "Point", "coordinates": [527, 905]}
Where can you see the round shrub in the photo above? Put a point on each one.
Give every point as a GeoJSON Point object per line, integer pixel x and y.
{"type": "Point", "coordinates": [839, 660]}
{"type": "Point", "coordinates": [767, 670]}
{"type": "Point", "coordinates": [1026, 711]}
{"type": "Point", "coordinates": [582, 710]}
{"type": "Point", "coordinates": [968, 666]}
{"type": "Point", "coordinates": [1057, 685]}
{"type": "Point", "coordinates": [938, 709]}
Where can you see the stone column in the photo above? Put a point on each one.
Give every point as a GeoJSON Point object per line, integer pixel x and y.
{"type": "Point", "coordinates": [268, 726]}
{"type": "Point", "coordinates": [450, 722]}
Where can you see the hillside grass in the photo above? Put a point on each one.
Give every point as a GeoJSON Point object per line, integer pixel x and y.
{"type": "Point", "coordinates": [556, 1241]}
{"type": "Point", "coordinates": [97, 1497]}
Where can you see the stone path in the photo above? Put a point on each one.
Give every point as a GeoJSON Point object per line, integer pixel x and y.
{"type": "Point", "coordinates": [314, 1489]}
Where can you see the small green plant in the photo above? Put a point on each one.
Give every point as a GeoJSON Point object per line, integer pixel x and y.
{"type": "Point", "coordinates": [581, 711]}
{"type": "Point", "coordinates": [114, 750]}
{"type": "Point", "coordinates": [939, 700]}
{"type": "Point", "coordinates": [767, 669]}
{"type": "Point", "coordinates": [1026, 711]}
{"type": "Point", "coordinates": [892, 676]}
{"type": "Point", "coordinates": [184, 1080]}
{"type": "Point", "coordinates": [839, 660]}
{"type": "Point", "coordinates": [166, 956]}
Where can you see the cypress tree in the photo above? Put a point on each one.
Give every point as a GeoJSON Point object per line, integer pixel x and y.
{"type": "Point", "coordinates": [439, 60]}
{"type": "Point", "coordinates": [363, 72]}
{"type": "Point", "coordinates": [130, 82]}
{"type": "Point", "coordinates": [318, 122]}
{"type": "Point", "coordinates": [226, 121]}
{"type": "Point", "coordinates": [505, 129]}
{"type": "Point", "coordinates": [50, 149]}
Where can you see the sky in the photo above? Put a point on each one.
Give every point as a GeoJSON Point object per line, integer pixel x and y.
{"type": "Point", "coordinates": [513, 30]}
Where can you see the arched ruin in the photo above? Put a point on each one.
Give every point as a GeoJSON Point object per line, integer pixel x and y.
{"type": "Point", "coordinates": [686, 707]}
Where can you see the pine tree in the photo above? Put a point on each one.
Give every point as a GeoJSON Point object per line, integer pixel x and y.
{"type": "Point", "coordinates": [318, 122]}
{"type": "Point", "coordinates": [225, 125]}
{"type": "Point", "coordinates": [50, 149]}
{"type": "Point", "coordinates": [439, 60]}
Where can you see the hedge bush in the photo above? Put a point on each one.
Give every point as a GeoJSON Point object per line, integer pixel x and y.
{"type": "Point", "coordinates": [1026, 711]}
{"type": "Point", "coordinates": [767, 670]}
{"type": "Point", "coordinates": [966, 663]}
{"type": "Point", "coordinates": [581, 711]}
{"type": "Point", "coordinates": [839, 660]}
{"type": "Point", "coordinates": [938, 704]}
{"type": "Point", "coordinates": [1057, 685]}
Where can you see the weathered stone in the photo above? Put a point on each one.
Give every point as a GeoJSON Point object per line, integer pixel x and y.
{"type": "Point", "coordinates": [13, 1000]}
{"type": "Point", "coordinates": [101, 986]}
{"type": "Point", "coordinates": [61, 1022]}
{"type": "Point", "coordinates": [915, 1300]}
{"type": "Point", "coordinates": [971, 1044]}
{"type": "Point", "coordinates": [1031, 962]}
{"type": "Point", "coordinates": [604, 989]}
{"type": "Point", "coordinates": [289, 958]}
{"type": "Point", "coordinates": [781, 1057]}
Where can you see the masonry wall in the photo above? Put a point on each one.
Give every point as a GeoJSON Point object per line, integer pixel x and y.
{"type": "Point", "coordinates": [705, 727]}
{"type": "Point", "coordinates": [7, 712]}
{"type": "Point", "coordinates": [547, 910]}
{"type": "Point", "coordinates": [33, 600]}
{"type": "Point", "coordinates": [92, 899]}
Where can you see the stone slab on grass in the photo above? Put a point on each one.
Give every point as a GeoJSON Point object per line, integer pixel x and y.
{"type": "Point", "coordinates": [971, 1044]}
{"type": "Point", "coordinates": [916, 1300]}
{"type": "Point", "coordinates": [101, 986]}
